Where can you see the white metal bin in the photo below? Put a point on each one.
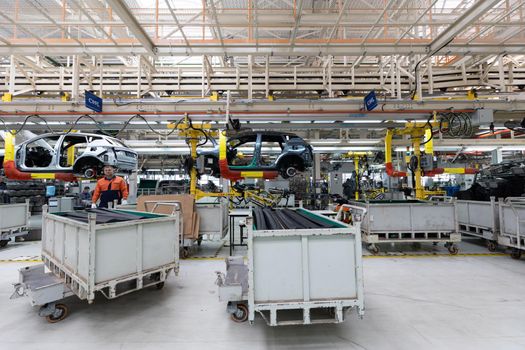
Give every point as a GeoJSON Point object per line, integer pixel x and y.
{"type": "Point", "coordinates": [14, 221]}
{"type": "Point", "coordinates": [312, 274]}
{"type": "Point", "coordinates": [90, 257]}
{"type": "Point", "coordinates": [479, 219]}
{"type": "Point", "coordinates": [409, 221]}
{"type": "Point", "coordinates": [213, 217]}
{"type": "Point", "coordinates": [512, 225]}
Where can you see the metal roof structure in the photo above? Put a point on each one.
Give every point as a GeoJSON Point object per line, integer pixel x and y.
{"type": "Point", "coordinates": [306, 62]}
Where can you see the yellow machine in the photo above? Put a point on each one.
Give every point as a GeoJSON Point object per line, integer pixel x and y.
{"type": "Point", "coordinates": [419, 133]}
{"type": "Point", "coordinates": [193, 132]}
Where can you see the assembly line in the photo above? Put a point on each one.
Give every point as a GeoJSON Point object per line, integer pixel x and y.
{"type": "Point", "coordinates": [262, 174]}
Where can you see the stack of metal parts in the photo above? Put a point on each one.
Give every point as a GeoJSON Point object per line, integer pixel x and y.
{"type": "Point", "coordinates": [19, 191]}
{"type": "Point", "coordinates": [287, 219]}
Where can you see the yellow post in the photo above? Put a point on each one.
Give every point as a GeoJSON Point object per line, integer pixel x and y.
{"type": "Point", "coordinates": [429, 145]}
{"type": "Point", "coordinates": [420, 192]}
{"type": "Point", "coordinates": [356, 166]}
{"type": "Point", "coordinates": [9, 146]}
{"type": "Point", "coordinates": [7, 97]}
{"type": "Point", "coordinates": [71, 155]}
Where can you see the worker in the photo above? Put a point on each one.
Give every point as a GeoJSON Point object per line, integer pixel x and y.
{"type": "Point", "coordinates": [348, 188]}
{"type": "Point", "coordinates": [110, 188]}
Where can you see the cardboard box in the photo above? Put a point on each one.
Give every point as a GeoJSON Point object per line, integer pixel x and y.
{"type": "Point", "coordinates": [190, 218]}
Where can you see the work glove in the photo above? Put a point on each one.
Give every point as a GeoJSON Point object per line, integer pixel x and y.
{"type": "Point", "coordinates": [93, 206]}
{"type": "Point", "coordinates": [124, 202]}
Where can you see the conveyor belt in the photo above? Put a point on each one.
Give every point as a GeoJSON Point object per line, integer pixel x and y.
{"type": "Point", "coordinates": [286, 219]}
{"type": "Point", "coordinates": [104, 216]}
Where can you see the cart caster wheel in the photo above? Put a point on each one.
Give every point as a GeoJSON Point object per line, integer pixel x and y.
{"type": "Point", "coordinates": [515, 254]}
{"type": "Point", "coordinates": [3, 243]}
{"type": "Point", "coordinates": [241, 314]}
{"type": "Point", "coordinates": [491, 246]}
{"type": "Point", "coordinates": [452, 249]}
{"type": "Point", "coordinates": [159, 285]}
{"type": "Point", "coordinates": [185, 253]}
{"type": "Point", "coordinates": [64, 312]}
{"type": "Point", "coordinates": [373, 249]}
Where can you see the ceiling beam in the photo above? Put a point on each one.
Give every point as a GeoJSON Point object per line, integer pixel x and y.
{"type": "Point", "coordinates": [177, 23]}
{"type": "Point", "coordinates": [417, 20]}
{"type": "Point", "coordinates": [336, 25]}
{"type": "Point", "coordinates": [298, 16]}
{"type": "Point", "coordinates": [478, 9]}
{"type": "Point", "coordinates": [122, 10]}
{"type": "Point", "coordinates": [94, 21]}
{"type": "Point", "coordinates": [22, 28]}
{"type": "Point", "coordinates": [43, 12]}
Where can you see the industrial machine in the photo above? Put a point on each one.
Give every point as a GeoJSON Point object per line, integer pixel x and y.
{"type": "Point", "coordinates": [421, 163]}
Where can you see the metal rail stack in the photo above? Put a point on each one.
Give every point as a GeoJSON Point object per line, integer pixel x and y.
{"type": "Point", "coordinates": [112, 252]}
{"type": "Point", "coordinates": [302, 269]}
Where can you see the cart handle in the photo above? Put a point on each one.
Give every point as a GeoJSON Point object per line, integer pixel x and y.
{"type": "Point", "coordinates": [177, 206]}
{"type": "Point", "coordinates": [441, 198]}
{"type": "Point", "coordinates": [339, 215]}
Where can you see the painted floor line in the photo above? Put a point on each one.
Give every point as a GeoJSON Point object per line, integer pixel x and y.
{"type": "Point", "coordinates": [436, 255]}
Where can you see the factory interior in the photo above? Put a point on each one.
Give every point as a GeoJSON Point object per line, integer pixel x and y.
{"type": "Point", "coordinates": [262, 174]}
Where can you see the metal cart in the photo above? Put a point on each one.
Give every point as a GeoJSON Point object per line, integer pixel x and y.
{"type": "Point", "coordinates": [14, 221]}
{"type": "Point", "coordinates": [479, 219]}
{"type": "Point", "coordinates": [410, 221]}
{"type": "Point", "coordinates": [512, 225]}
{"type": "Point", "coordinates": [312, 274]}
{"type": "Point", "coordinates": [111, 258]}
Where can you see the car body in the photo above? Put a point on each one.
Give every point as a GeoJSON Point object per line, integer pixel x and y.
{"type": "Point", "coordinates": [81, 154]}
{"type": "Point", "coordinates": [286, 153]}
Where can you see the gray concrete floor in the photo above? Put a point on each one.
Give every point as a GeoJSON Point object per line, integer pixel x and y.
{"type": "Point", "coordinates": [413, 301]}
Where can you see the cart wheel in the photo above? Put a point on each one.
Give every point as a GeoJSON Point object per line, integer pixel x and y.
{"type": "Point", "coordinates": [3, 243]}
{"type": "Point", "coordinates": [372, 248]}
{"type": "Point", "coordinates": [159, 285]}
{"type": "Point", "coordinates": [64, 311]}
{"type": "Point", "coordinates": [241, 315]}
{"type": "Point", "coordinates": [185, 253]}
{"type": "Point", "coordinates": [515, 254]}
{"type": "Point", "coordinates": [491, 246]}
{"type": "Point", "coordinates": [452, 249]}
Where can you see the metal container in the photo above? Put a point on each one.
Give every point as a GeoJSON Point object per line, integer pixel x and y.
{"type": "Point", "coordinates": [14, 221]}
{"type": "Point", "coordinates": [409, 221]}
{"type": "Point", "coordinates": [512, 225]}
{"type": "Point", "coordinates": [213, 217]}
{"type": "Point", "coordinates": [302, 271]}
{"type": "Point", "coordinates": [91, 257]}
{"type": "Point", "coordinates": [479, 219]}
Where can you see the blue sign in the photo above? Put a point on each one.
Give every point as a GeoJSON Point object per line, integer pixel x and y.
{"type": "Point", "coordinates": [370, 101]}
{"type": "Point", "coordinates": [93, 102]}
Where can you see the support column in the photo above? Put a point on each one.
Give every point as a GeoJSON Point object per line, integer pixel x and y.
{"type": "Point", "coordinates": [75, 79]}
{"type": "Point", "coordinates": [250, 89]}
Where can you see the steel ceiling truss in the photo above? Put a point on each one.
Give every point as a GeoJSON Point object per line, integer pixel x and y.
{"type": "Point", "coordinates": [390, 76]}
{"type": "Point", "coordinates": [288, 28]}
